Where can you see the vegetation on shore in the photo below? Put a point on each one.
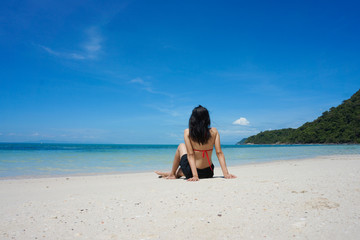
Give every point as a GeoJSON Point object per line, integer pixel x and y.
{"type": "Point", "coordinates": [339, 125]}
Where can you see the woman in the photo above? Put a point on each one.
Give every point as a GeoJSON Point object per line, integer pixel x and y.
{"type": "Point", "coordinates": [194, 157]}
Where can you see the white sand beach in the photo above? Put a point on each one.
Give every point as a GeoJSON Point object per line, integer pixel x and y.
{"type": "Point", "coordinates": [299, 199]}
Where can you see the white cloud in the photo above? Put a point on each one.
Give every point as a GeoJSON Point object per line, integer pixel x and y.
{"type": "Point", "coordinates": [138, 80]}
{"type": "Point", "coordinates": [91, 47]}
{"type": "Point", "coordinates": [147, 87]}
{"type": "Point", "coordinates": [93, 44]}
{"type": "Point", "coordinates": [75, 56]}
{"type": "Point", "coordinates": [241, 121]}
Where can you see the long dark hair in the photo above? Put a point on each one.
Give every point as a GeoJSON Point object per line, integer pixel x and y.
{"type": "Point", "coordinates": [199, 125]}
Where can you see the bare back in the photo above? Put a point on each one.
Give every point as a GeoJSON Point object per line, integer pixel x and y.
{"type": "Point", "coordinates": [201, 160]}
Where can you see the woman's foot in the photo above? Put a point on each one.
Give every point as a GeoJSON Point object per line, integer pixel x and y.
{"type": "Point", "coordinates": [162, 174]}
{"type": "Point", "coordinates": [171, 176]}
{"type": "Point", "coordinates": [166, 175]}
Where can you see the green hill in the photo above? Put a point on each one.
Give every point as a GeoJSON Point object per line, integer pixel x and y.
{"type": "Point", "coordinates": [338, 125]}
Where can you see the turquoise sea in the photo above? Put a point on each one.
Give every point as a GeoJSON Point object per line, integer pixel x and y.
{"type": "Point", "coordinates": [33, 159]}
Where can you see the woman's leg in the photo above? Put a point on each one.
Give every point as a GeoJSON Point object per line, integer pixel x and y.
{"type": "Point", "coordinates": [175, 171]}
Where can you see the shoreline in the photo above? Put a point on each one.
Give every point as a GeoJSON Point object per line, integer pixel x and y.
{"type": "Point", "coordinates": [314, 198]}
{"type": "Point", "coordinates": [24, 177]}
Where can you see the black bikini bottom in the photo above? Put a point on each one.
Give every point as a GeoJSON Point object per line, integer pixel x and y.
{"type": "Point", "coordinates": [186, 169]}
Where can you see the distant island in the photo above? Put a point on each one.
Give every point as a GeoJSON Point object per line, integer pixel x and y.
{"type": "Point", "coordinates": [339, 125]}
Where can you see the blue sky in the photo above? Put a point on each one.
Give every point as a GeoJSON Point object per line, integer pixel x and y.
{"type": "Point", "coordinates": [132, 71]}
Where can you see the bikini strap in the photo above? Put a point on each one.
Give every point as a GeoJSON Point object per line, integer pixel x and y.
{"type": "Point", "coordinates": [207, 156]}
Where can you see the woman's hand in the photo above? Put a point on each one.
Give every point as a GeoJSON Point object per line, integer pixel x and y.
{"type": "Point", "coordinates": [193, 179]}
{"type": "Point", "coordinates": [228, 176]}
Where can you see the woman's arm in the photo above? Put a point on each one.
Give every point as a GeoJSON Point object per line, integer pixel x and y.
{"type": "Point", "coordinates": [220, 156]}
{"type": "Point", "coordinates": [191, 156]}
